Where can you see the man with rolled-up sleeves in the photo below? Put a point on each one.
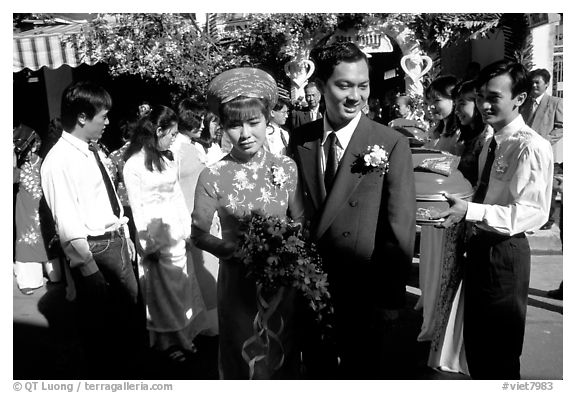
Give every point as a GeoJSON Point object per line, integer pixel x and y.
{"type": "Point", "coordinates": [94, 234]}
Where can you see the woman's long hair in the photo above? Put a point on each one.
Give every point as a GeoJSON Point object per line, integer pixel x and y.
{"type": "Point", "coordinates": [444, 85]}
{"type": "Point", "coordinates": [206, 139]}
{"type": "Point", "coordinates": [144, 136]}
{"type": "Point", "coordinates": [468, 132]}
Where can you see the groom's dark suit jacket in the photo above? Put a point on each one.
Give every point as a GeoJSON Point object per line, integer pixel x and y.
{"type": "Point", "coordinates": [365, 227]}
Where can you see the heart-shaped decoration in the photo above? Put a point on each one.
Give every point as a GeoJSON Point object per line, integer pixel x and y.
{"type": "Point", "coordinates": [416, 70]}
{"type": "Point", "coordinates": [299, 71]}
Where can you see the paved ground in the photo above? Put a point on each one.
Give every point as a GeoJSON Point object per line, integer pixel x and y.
{"type": "Point", "coordinates": [46, 346]}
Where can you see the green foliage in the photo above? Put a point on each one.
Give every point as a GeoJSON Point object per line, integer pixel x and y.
{"type": "Point", "coordinates": [519, 42]}
{"type": "Point", "coordinates": [167, 48]}
{"type": "Point", "coordinates": [274, 39]}
{"type": "Point", "coordinates": [434, 31]}
{"type": "Point", "coordinates": [171, 49]}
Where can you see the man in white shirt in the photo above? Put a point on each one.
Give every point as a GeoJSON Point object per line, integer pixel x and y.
{"type": "Point", "coordinates": [512, 197]}
{"type": "Point", "coordinates": [92, 229]}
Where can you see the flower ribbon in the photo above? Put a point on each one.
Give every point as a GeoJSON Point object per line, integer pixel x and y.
{"type": "Point", "coordinates": [263, 334]}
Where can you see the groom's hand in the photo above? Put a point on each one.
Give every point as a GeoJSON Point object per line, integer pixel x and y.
{"type": "Point", "coordinates": [227, 250]}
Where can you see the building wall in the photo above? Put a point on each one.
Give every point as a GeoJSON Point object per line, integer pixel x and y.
{"type": "Point", "coordinates": [543, 48]}
{"type": "Point", "coordinates": [455, 58]}
{"type": "Point", "coordinates": [488, 50]}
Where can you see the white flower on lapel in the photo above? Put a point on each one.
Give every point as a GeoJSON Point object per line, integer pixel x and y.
{"type": "Point", "coordinates": [500, 165]}
{"type": "Point", "coordinates": [279, 176]}
{"type": "Point", "coordinates": [375, 158]}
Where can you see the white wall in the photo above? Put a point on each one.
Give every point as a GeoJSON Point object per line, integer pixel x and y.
{"type": "Point", "coordinates": [543, 48]}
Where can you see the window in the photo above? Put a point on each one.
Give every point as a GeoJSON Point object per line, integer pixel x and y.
{"type": "Point", "coordinates": [558, 62]}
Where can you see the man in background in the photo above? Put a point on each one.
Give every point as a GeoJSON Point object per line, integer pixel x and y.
{"type": "Point", "coordinates": [544, 114]}
{"type": "Point", "coordinates": [312, 96]}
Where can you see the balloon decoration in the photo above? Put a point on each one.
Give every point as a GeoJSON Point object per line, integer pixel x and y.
{"type": "Point", "coordinates": [299, 71]}
{"type": "Point", "coordinates": [416, 66]}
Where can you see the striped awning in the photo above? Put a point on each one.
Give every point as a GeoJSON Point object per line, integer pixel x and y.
{"type": "Point", "coordinates": [44, 46]}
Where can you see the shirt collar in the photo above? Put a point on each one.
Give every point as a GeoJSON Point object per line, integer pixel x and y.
{"type": "Point", "coordinates": [515, 125]}
{"type": "Point", "coordinates": [344, 134]}
{"type": "Point", "coordinates": [76, 142]}
{"type": "Point", "coordinates": [539, 98]}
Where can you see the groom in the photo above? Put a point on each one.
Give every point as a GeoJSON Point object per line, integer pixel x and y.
{"type": "Point", "coordinates": [362, 217]}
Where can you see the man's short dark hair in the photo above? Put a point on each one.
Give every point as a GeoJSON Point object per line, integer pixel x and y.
{"type": "Point", "coordinates": [516, 71]}
{"type": "Point", "coordinates": [190, 114]}
{"type": "Point", "coordinates": [326, 58]}
{"type": "Point", "coordinates": [541, 72]}
{"type": "Point", "coordinates": [82, 97]}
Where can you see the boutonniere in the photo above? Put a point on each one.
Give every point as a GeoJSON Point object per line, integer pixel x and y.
{"type": "Point", "coordinates": [374, 158]}
{"type": "Point", "coordinates": [500, 165]}
{"type": "Point", "coordinates": [279, 176]}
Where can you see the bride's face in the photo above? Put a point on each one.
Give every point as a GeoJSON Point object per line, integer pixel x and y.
{"type": "Point", "coordinates": [247, 136]}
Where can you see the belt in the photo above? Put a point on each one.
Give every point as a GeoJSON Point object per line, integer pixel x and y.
{"type": "Point", "coordinates": [108, 235]}
{"type": "Point", "coordinates": [496, 236]}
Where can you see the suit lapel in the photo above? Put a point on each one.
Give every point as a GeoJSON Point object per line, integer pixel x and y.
{"type": "Point", "coordinates": [345, 182]}
{"type": "Point", "coordinates": [539, 114]}
{"type": "Point", "coordinates": [308, 152]}
{"type": "Point", "coordinates": [525, 112]}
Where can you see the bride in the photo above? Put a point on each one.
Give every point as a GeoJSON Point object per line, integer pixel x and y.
{"type": "Point", "coordinates": [239, 183]}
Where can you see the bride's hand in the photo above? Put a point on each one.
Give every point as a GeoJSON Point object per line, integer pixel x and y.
{"type": "Point", "coordinates": [227, 250]}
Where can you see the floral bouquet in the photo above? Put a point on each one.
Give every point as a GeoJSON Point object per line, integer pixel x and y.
{"type": "Point", "coordinates": [277, 257]}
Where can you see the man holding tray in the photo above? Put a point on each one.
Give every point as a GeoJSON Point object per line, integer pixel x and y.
{"type": "Point", "coordinates": [512, 197]}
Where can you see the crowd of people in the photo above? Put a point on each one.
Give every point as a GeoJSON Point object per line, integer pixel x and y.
{"type": "Point", "coordinates": [144, 238]}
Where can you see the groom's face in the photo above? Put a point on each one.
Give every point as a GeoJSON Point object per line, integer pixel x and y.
{"type": "Point", "coordinates": [346, 92]}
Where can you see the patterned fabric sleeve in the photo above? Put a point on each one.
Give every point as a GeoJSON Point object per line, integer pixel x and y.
{"type": "Point", "coordinates": [206, 203]}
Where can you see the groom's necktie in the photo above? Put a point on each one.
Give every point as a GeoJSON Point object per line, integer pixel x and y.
{"type": "Point", "coordinates": [331, 161]}
{"type": "Point", "coordinates": [107, 182]}
{"type": "Point", "coordinates": [485, 177]}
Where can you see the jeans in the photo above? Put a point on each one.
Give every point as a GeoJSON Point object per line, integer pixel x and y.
{"type": "Point", "coordinates": [108, 313]}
